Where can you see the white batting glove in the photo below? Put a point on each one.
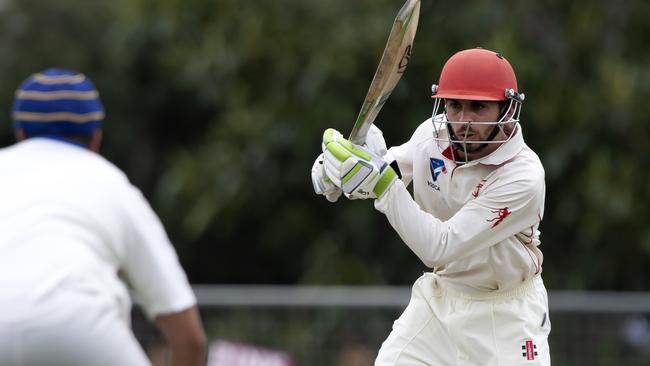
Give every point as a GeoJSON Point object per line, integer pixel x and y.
{"type": "Point", "coordinates": [322, 184]}
{"type": "Point", "coordinates": [357, 171]}
{"type": "Point", "coordinates": [375, 141]}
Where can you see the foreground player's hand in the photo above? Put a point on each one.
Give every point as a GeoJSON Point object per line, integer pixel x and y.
{"type": "Point", "coordinates": [359, 172]}
{"type": "Point", "coordinates": [322, 184]}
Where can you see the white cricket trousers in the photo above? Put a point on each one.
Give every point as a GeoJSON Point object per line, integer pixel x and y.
{"type": "Point", "coordinates": [80, 331]}
{"type": "Point", "coordinates": [441, 327]}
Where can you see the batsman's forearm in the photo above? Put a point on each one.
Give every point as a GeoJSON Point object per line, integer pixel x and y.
{"type": "Point", "coordinates": [437, 242]}
{"type": "Point", "coordinates": [434, 241]}
{"type": "Point", "coordinates": [420, 231]}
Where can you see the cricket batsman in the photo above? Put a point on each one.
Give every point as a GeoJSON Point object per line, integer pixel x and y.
{"type": "Point", "coordinates": [478, 199]}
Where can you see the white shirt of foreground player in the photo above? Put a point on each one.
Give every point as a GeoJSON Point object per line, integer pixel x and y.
{"type": "Point", "coordinates": [71, 224]}
{"type": "Point", "coordinates": [475, 224]}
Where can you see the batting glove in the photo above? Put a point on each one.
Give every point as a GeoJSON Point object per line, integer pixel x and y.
{"type": "Point", "coordinates": [375, 141]}
{"type": "Point", "coordinates": [357, 171]}
{"type": "Point", "coordinates": [322, 184]}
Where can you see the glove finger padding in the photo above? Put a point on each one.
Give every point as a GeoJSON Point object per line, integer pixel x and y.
{"type": "Point", "coordinates": [360, 173]}
{"type": "Point", "coordinates": [322, 184]}
{"type": "Point", "coordinates": [375, 141]}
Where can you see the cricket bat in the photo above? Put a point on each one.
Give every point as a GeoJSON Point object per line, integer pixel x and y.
{"type": "Point", "coordinates": [394, 60]}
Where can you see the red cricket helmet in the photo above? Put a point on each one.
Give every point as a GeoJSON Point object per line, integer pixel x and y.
{"type": "Point", "coordinates": [476, 74]}
{"type": "Point", "coordinates": [480, 75]}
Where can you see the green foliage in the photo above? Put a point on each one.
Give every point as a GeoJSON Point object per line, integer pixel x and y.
{"type": "Point", "coordinates": [216, 109]}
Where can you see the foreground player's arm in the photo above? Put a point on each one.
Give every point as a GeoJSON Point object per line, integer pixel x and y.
{"type": "Point", "coordinates": [160, 285]}
{"type": "Point", "coordinates": [505, 207]}
{"type": "Point", "coordinates": [184, 335]}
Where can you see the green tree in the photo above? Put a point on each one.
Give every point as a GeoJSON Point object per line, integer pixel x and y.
{"type": "Point", "coordinates": [216, 108]}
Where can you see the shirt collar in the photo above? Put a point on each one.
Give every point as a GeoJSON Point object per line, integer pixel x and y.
{"type": "Point", "coordinates": [506, 151]}
{"type": "Point", "coordinates": [54, 140]}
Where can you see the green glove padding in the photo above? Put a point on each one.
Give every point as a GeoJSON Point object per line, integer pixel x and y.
{"type": "Point", "coordinates": [357, 171]}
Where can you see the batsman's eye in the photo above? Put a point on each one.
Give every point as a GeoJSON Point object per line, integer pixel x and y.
{"type": "Point", "coordinates": [452, 105]}
{"type": "Point", "coordinates": [485, 108]}
{"type": "Point", "coordinates": [479, 106]}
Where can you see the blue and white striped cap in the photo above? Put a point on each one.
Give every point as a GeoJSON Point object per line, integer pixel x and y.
{"type": "Point", "coordinates": [57, 102]}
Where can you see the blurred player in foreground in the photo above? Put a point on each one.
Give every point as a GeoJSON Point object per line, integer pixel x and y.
{"type": "Point", "coordinates": [479, 199]}
{"type": "Point", "coordinates": [75, 235]}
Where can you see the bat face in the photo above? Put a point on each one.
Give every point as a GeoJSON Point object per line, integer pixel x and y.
{"type": "Point", "coordinates": [394, 61]}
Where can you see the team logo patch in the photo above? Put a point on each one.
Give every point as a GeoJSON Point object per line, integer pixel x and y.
{"type": "Point", "coordinates": [437, 167]}
{"type": "Point", "coordinates": [529, 350]}
{"type": "Point", "coordinates": [501, 214]}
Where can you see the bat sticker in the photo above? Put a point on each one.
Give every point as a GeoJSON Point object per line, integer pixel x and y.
{"type": "Point", "coordinates": [404, 62]}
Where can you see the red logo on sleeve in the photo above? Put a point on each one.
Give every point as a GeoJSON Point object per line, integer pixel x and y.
{"type": "Point", "coordinates": [501, 213]}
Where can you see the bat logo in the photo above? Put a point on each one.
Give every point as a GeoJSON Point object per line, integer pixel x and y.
{"type": "Point", "coordinates": [404, 62]}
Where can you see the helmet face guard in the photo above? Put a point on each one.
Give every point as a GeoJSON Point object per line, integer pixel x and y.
{"type": "Point", "coordinates": [445, 136]}
{"type": "Point", "coordinates": [478, 75]}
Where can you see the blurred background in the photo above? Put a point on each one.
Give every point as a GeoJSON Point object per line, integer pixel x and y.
{"type": "Point", "coordinates": [215, 110]}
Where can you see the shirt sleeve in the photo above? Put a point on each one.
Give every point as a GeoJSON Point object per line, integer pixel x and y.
{"type": "Point", "coordinates": [504, 208]}
{"type": "Point", "coordinates": [403, 154]}
{"type": "Point", "coordinates": [151, 264]}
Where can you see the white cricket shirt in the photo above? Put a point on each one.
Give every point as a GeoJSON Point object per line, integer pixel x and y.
{"type": "Point", "coordinates": [71, 224]}
{"type": "Point", "coordinates": [475, 224]}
